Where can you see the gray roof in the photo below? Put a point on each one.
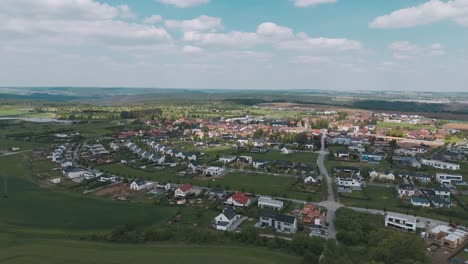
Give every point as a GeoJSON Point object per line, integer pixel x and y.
{"type": "Point", "coordinates": [229, 213]}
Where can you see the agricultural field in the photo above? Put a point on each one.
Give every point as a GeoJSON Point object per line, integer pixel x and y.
{"type": "Point", "coordinates": [15, 250]}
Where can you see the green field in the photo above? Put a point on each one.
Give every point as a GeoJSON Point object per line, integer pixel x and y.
{"type": "Point", "coordinates": [305, 157]}
{"type": "Point", "coordinates": [49, 251]}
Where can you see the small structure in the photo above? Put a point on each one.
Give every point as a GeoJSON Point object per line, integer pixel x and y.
{"type": "Point", "coordinates": [138, 184]}
{"type": "Point", "coordinates": [183, 190]}
{"type": "Point", "coordinates": [311, 180]}
{"type": "Point", "coordinates": [286, 151]}
{"type": "Point", "coordinates": [268, 202]}
{"type": "Point", "coordinates": [217, 192]}
{"type": "Point", "coordinates": [420, 201]}
{"type": "Point", "coordinates": [213, 171]}
{"type": "Point", "coordinates": [406, 190]}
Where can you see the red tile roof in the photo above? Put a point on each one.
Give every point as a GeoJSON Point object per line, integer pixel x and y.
{"type": "Point", "coordinates": [185, 187]}
{"type": "Point", "coordinates": [240, 198]}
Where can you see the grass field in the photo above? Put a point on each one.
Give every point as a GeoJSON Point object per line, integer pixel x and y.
{"type": "Point", "coordinates": [404, 126]}
{"type": "Point", "coordinates": [50, 251]}
{"type": "Point", "coordinates": [305, 157]}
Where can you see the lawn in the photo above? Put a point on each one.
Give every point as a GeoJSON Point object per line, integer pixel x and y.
{"type": "Point", "coordinates": [379, 198]}
{"type": "Point", "coordinates": [305, 157]}
{"type": "Point", "coordinates": [50, 251]}
{"type": "Point", "coordinates": [404, 126]}
{"type": "Point", "coordinates": [6, 144]}
{"type": "Point", "coordinates": [30, 207]}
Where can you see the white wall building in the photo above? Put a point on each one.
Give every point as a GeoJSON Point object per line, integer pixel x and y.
{"type": "Point", "coordinates": [440, 164]}
{"type": "Point", "coordinates": [268, 202]}
{"type": "Point", "coordinates": [449, 179]}
{"type": "Point", "coordinates": [402, 222]}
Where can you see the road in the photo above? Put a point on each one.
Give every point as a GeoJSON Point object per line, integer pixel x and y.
{"type": "Point", "coordinates": [330, 203]}
{"type": "Point", "coordinates": [14, 153]}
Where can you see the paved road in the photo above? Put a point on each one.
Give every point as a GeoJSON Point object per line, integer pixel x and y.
{"type": "Point", "coordinates": [330, 203]}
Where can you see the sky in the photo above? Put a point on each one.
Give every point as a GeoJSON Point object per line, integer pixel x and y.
{"type": "Point", "coordinates": [408, 45]}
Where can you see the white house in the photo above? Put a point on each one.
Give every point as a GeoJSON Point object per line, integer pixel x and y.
{"type": "Point", "coordinates": [183, 190]}
{"type": "Point", "coordinates": [280, 222]}
{"type": "Point", "coordinates": [66, 163]}
{"type": "Point", "coordinates": [340, 141]}
{"type": "Point", "coordinates": [382, 175]}
{"type": "Point", "coordinates": [310, 180]}
{"type": "Point", "coordinates": [238, 199]}
{"type": "Point", "coordinates": [74, 172]}
{"type": "Point", "coordinates": [268, 202]}
{"type": "Point", "coordinates": [227, 159]}
{"type": "Point", "coordinates": [108, 178]}
{"type": "Point", "coordinates": [406, 190]}
{"type": "Point", "coordinates": [213, 171]}
{"type": "Point", "coordinates": [259, 163]}
{"type": "Point", "coordinates": [449, 179]}
{"type": "Point", "coordinates": [164, 186]}
{"type": "Point", "coordinates": [349, 183]}
{"type": "Point", "coordinates": [286, 151]}
{"type": "Point", "coordinates": [442, 192]}
{"type": "Point", "coordinates": [138, 184]}
{"type": "Point", "coordinates": [440, 164]}
{"type": "Point", "coordinates": [226, 219]}
{"type": "Point", "coordinates": [400, 221]}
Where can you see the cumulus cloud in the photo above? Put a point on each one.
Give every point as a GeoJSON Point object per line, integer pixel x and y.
{"type": "Point", "coordinates": [192, 49]}
{"type": "Point", "coordinates": [153, 19]}
{"type": "Point", "coordinates": [184, 3]}
{"type": "Point", "coordinates": [423, 14]}
{"type": "Point", "coordinates": [403, 50]}
{"type": "Point", "coordinates": [307, 3]}
{"type": "Point", "coordinates": [70, 22]}
{"type": "Point", "coordinates": [201, 23]}
{"type": "Point", "coordinates": [272, 34]}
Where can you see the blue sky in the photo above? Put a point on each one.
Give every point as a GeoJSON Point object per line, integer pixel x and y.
{"type": "Point", "coordinates": [410, 45]}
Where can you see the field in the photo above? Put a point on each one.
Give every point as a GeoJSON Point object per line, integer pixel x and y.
{"type": "Point", "coordinates": [404, 126]}
{"type": "Point", "coordinates": [305, 157]}
{"type": "Point", "coordinates": [49, 251]}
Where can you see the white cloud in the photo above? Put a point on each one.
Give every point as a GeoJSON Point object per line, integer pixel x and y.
{"type": "Point", "coordinates": [184, 3]}
{"type": "Point", "coordinates": [309, 60]}
{"type": "Point", "coordinates": [423, 14]}
{"type": "Point", "coordinates": [272, 34]}
{"type": "Point", "coordinates": [192, 49]}
{"type": "Point", "coordinates": [307, 3]}
{"type": "Point", "coordinates": [201, 23]}
{"type": "Point", "coordinates": [403, 50]}
{"type": "Point", "coordinates": [73, 22]}
{"type": "Point", "coordinates": [153, 19]}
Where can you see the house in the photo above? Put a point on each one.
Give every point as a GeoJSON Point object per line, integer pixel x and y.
{"type": "Point", "coordinates": [309, 145]}
{"type": "Point", "coordinates": [449, 236]}
{"type": "Point", "coordinates": [420, 201]}
{"type": "Point", "coordinates": [342, 154]}
{"type": "Point", "coordinates": [245, 159]}
{"type": "Point", "coordinates": [339, 141]}
{"type": "Point", "coordinates": [213, 171]}
{"type": "Point", "coordinates": [415, 176]}
{"type": "Point", "coordinates": [138, 184]}
{"type": "Point", "coordinates": [259, 150]}
{"type": "Point", "coordinates": [227, 159]}
{"type": "Point", "coordinates": [406, 190]}
{"type": "Point", "coordinates": [347, 170]}
{"type": "Point", "coordinates": [400, 221]}
{"type": "Point", "coordinates": [164, 186]}
{"type": "Point", "coordinates": [259, 164]}
{"type": "Point", "coordinates": [406, 161]}
{"type": "Point", "coordinates": [268, 202]}
{"type": "Point", "coordinates": [310, 213]}
{"type": "Point", "coordinates": [366, 157]}
{"type": "Point", "coordinates": [217, 192]}
{"type": "Point", "coordinates": [182, 191]}
{"type": "Point", "coordinates": [239, 199]}
{"type": "Point", "coordinates": [286, 151]}
{"type": "Point", "coordinates": [311, 180]}
{"type": "Point", "coordinates": [259, 142]}
{"type": "Point", "coordinates": [386, 175]}
{"type": "Point", "coordinates": [243, 141]}
{"type": "Point", "coordinates": [442, 192]}
{"type": "Point", "coordinates": [108, 178]}
{"type": "Point", "coordinates": [225, 221]}
{"type": "Point", "coordinates": [280, 222]}
{"type": "Point", "coordinates": [74, 172]}
{"type": "Point", "coordinates": [66, 163]}
{"type": "Point", "coordinates": [449, 179]}
{"type": "Point", "coordinates": [349, 183]}
{"type": "Point", "coordinates": [192, 155]}
{"type": "Point", "coordinates": [440, 164]}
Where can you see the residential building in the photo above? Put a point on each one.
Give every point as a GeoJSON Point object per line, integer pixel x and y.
{"type": "Point", "coordinates": [138, 184]}
{"type": "Point", "coordinates": [386, 175]}
{"type": "Point", "coordinates": [226, 219]}
{"type": "Point", "coordinates": [349, 183]}
{"type": "Point", "coordinates": [406, 190]}
{"type": "Point", "coordinates": [420, 201]}
{"type": "Point", "coordinates": [406, 161]}
{"type": "Point", "coordinates": [268, 202]}
{"type": "Point", "coordinates": [245, 159]}
{"type": "Point", "coordinates": [217, 192]}
{"type": "Point", "coordinates": [280, 222]}
{"type": "Point", "coordinates": [400, 221]}
{"type": "Point", "coordinates": [449, 236]}
{"type": "Point", "coordinates": [213, 171]}
{"type": "Point", "coordinates": [440, 164]}
{"type": "Point", "coordinates": [311, 180]}
{"type": "Point", "coordinates": [182, 191]}
{"type": "Point", "coordinates": [227, 159]}
{"type": "Point", "coordinates": [416, 176]}
{"type": "Point", "coordinates": [449, 179]}
{"type": "Point", "coordinates": [259, 164]}
{"type": "Point", "coordinates": [239, 199]}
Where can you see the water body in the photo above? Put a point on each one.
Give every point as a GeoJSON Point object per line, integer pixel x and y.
{"type": "Point", "coordinates": [37, 120]}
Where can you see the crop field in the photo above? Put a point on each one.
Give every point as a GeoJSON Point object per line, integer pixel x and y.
{"type": "Point", "coordinates": [50, 251]}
